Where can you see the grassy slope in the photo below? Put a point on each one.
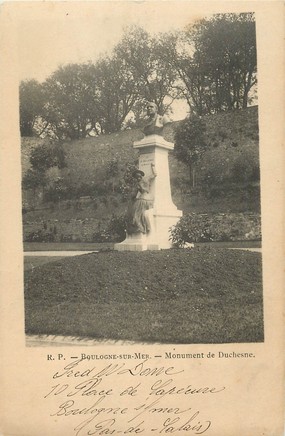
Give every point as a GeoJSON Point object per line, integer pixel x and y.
{"type": "Point", "coordinates": [87, 159]}
{"type": "Point", "coordinates": [205, 295]}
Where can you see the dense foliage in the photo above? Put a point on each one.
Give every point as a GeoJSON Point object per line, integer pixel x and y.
{"type": "Point", "coordinates": [32, 102]}
{"type": "Point", "coordinates": [112, 231]}
{"type": "Point", "coordinates": [211, 65]}
{"type": "Point", "coordinates": [222, 71]}
{"type": "Point", "coordinates": [42, 158]}
{"type": "Point", "coordinates": [215, 227]}
{"type": "Point", "coordinates": [190, 142]}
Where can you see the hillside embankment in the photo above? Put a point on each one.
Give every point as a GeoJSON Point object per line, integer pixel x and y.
{"type": "Point", "coordinates": [227, 178]}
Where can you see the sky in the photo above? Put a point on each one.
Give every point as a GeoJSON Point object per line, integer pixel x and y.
{"type": "Point", "coordinates": [75, 33]}
{"type": "Point", "coordinates": [50, 35]}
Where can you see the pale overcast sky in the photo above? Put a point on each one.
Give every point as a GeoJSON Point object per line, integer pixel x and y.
{"type": "Point", "coordinates": [54, 34]}
{"type": "Point", "coordinates": [77, 33]}
{"type": "Point", "coordinates": [51, 34]}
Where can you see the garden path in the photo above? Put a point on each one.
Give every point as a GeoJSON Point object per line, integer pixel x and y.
{"type": "Point", "coordinates": [78, 253]}
{"type": "Point", "coordinates": [57, 253]}
{"type": "Point", "coordinates": [66, 341]}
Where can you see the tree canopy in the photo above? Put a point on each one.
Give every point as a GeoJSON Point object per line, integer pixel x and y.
{"type": "Point", "coordinates": [143, 56]}
{"type": "Point", "coordinates": [42, 158]}
{"type": "Point", "coordinates": [31, 105]}
{"type": "Point", "coordinates": [211, 64]}
{"type": "Point", "coordinates": [225, 60]}
{"type": "Point", "coordinates": [190, 142]}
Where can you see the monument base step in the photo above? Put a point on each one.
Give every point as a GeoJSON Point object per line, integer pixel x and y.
{"type": "Point", "coordinates": [129, 245]}
{"type": "Point", "coordinates": [139, 247]}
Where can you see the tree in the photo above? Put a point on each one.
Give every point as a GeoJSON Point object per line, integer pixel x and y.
{"type": "Point", "coordinates": [190, 143]}
{"type": "Point", "coordinates": [31, 105]}
{"type": "Point", "coordinates": [34, 179]}
{"type": "Point", "coordinates": [89, 98]}
{"type": "Point", "coordinates": [142, 55]}
{"type": "Point", "coordinates": [46, 156]}
{"type": "Point", "coordinates": [223, 68]}
{"type": "Point", "coordinates": [112, 172]}
{"type": "Point", "coordinates": [192, 81]}
{"type": "Point", "coordinates": [117, 92]}
{"type": "Point", "coordinates": [215, 62]}
{"type": "Point", "coordinates": [42, 158]}
{"type": "Point", "coordinates": [212, 64]}
{"type": "Point", "coordinates": [71, 101]}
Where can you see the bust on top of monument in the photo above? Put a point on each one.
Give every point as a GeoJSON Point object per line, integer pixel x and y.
{"type": "Point", "coordinates": [155, 122]}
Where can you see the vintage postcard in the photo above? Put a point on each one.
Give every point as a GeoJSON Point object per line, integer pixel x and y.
{"type": "Point", "coordinates": [142, 218]}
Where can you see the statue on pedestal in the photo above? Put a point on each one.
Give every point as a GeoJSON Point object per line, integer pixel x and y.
{"type": "Point", "coordinates": [151, 212]}
{"type": "Point", "coordinates": [155, 122]}
{"type": "Point", "coordinates": [137, 219]}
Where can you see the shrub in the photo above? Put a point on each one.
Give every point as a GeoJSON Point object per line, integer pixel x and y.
{"type": "Point", "coordinates": [246, 167]}
{"type": "Point", "coordinates": [104, 200]}
{"type": "Point", "coordinates": [117, 227]}
{"type": "Point", "coordinates": [102, 236]}
{"type": "Point", "coordinates": [127, 183]}
{"type": "Point", "coordinates": [190, 228]}
{"type": "Point", "coordinates": [223, 134]}
{"type": "Point", "coordinates": [40, 236]}
{"type": "Point", "coordinates": [216, 227]}
{"type": "Point", "coordinates": [114, 231]}
{"type": "Point", "coordinates": [66, 238]}
{"type": "Point", "coordinates": [180, 184]}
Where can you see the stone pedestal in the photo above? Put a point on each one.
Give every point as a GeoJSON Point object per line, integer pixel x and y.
{"type": "Point", "coordinates": [154, 149]}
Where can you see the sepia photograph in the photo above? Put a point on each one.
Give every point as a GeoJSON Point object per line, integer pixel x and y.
{"type": "Point", "coordinates": [141, 181]}
{"type": "Point", "coordinates": [142, 218]}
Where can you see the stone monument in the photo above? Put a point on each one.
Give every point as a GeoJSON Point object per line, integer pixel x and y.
{"type": "Point", "coordinates": [152, 212]}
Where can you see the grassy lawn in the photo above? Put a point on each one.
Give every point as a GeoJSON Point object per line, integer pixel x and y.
{"type": "Point", "coordinates": [34, 261]}
{"type": "Point", "coordinates": [66, 246]}
{"type": "Point", "coordinates": [88, 246]}
{"type": "Point", "coordinates": [203, 295]}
